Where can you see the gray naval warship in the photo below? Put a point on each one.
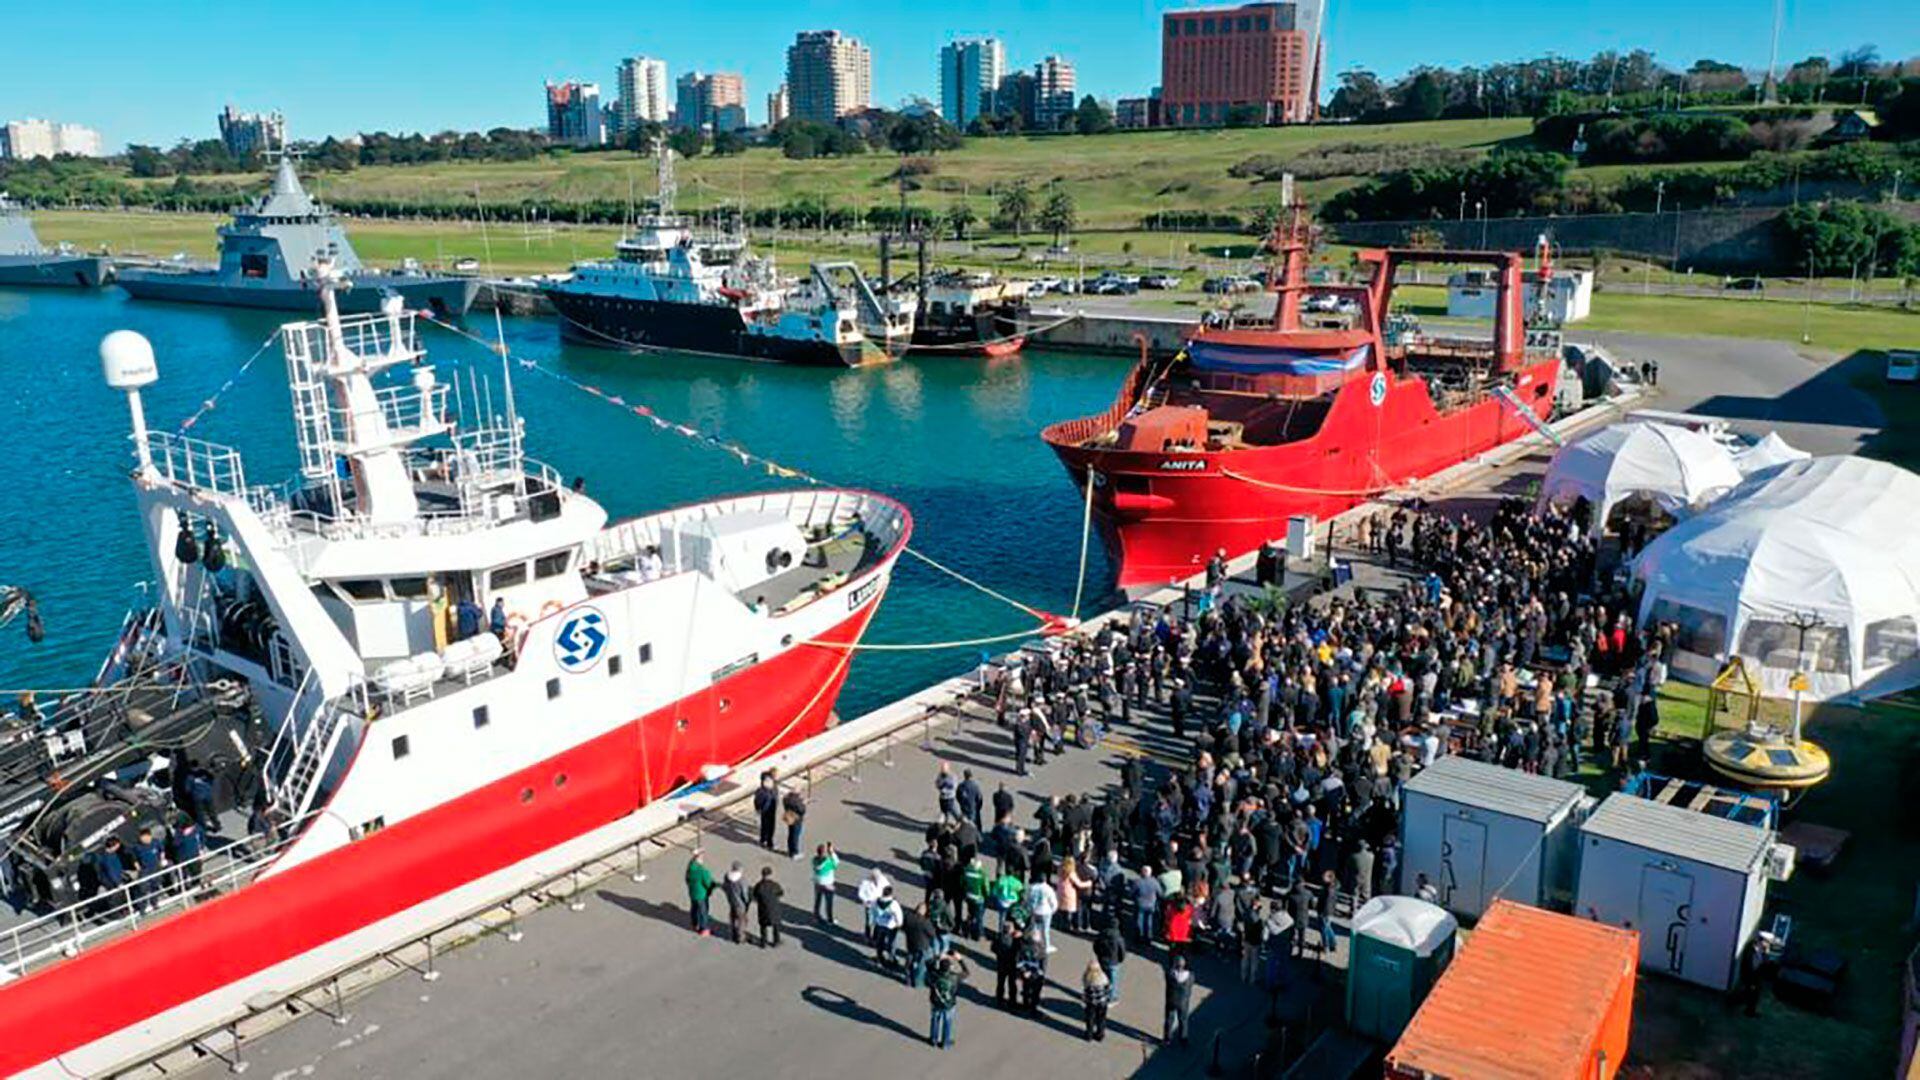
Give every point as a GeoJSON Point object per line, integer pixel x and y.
{"type": "Point", "coordinates": [25, 261]}
{"type": "Point", "coordinates": [268, 256]}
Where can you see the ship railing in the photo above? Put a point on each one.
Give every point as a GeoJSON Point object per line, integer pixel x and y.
{"type": "Point", "coordinates": [197, 464]}
{"type": "Point", "coordinates": [1080, 431]}
{"type": "Point", "coordinates": [408, 413]}
{"type": "Point", "coordinates": [485, 498]}
{"type": "Point", "coordinates": [831, 509]}
{"type": "Point", "coordinates": [215, 872]}
{"type": "Point", "coordinates": [370, 337]}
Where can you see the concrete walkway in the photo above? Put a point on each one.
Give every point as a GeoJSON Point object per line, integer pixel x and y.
{"type": "Point", "coordinates": [622, 988]}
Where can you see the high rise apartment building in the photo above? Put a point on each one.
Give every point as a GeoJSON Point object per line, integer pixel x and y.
{"type": "Point", "coordinates": [829, 75]}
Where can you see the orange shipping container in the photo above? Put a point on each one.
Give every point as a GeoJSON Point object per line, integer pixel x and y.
{"type": "Point", "coordinates": [1531, 995]}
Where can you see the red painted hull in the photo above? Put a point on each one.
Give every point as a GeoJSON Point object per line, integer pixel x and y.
{"type": "Point", "coordinates": [1163, 515]}
{"type": "Point", "coordinates": [103, 990]}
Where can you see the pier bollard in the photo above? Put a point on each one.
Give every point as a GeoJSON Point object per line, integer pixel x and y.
{"type": "Point", "coordinates": [886, 749]}
{"type": "Point", "coordinates": [574, 903]}
{"type": "Point", "coordinates": [431, 974]}
{"type": "Point", "coordinates": [639, 862]}
{"type": "Point", "coordinates": [854, 776]}
{"type": "Point", "coordinates": [514, 933]}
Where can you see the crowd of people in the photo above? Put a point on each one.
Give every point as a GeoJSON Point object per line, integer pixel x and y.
{"type": "Point", "coordinates": [1295, 727]}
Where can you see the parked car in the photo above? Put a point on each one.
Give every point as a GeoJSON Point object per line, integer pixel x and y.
{"type": "Point", "coordinates": [1043, 285]}
{"type": "Point", "coordinates": [1903, 366]}
{"type": "Point", "coordinates": [1160, 281]}
{"type": "Point", "coordinates": [1745, 284]}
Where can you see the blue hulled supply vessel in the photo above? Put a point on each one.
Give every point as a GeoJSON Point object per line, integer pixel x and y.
{"type": "Point", "coordinates": [673, 287]}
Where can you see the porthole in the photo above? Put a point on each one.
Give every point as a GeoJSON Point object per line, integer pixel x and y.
{"type": "Point", "coordinates": [526, 795]}
{"type": "Point", "coordinates": [559, 780]}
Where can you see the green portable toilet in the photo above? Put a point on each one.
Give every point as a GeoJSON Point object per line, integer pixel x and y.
{"type": "Point", "coordinates": [1400, 946]}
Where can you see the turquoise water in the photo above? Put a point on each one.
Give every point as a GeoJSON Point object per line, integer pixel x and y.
{"type": "Point", "coordinates": [954, 439]}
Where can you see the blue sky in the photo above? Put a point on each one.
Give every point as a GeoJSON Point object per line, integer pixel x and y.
{"type": "Point", "coordinates": [152, 72]}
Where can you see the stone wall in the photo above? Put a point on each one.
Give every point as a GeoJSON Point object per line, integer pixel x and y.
{"type": "Point", "coordinates": [1709, 240]}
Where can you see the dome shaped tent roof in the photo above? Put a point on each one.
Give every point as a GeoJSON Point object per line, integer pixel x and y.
{"type": "Point", "coordinates": [1679, 468]}
{"type": "Point", "coordinates": [1830, 535]}
{"type": "Point", "coordinates": [1767, 453]}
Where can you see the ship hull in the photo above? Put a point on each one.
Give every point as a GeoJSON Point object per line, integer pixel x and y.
{"type": "Point", "coordinates": [91, 1012]}
{"type": "Point", "coordinates": [713, 329]}
{"type": "Point", "coordinates": [59, 271]}
{"type": "Point", "coordinates": [990, 335]}
{"type": "Point", "coordinates": [1162, 516]}
{"type": "Point", "coordinates": [443, 296]}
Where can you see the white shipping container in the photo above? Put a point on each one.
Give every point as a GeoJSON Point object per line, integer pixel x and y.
{"type": "Point", "coordinates": [1693, 885]}
{"type": "Point", "coordinates": [1479, 831]}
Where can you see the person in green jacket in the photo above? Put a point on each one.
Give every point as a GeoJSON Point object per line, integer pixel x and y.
{"type": "Point", "coordinates": [699, 889]}
{"type": "Point", "coordinates": [825, 862]}
{"type": "Point", "coordinates": [1007, 892]}
{"type": "Point", "coordinates": [974, 898]}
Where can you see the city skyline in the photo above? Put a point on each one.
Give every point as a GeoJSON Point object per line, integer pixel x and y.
{"type": "Point", "coordinates": [185, 72]}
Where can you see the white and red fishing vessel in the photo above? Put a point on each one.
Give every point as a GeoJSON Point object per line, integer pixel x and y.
{"type": "Point", "coordinates": [422, 663]}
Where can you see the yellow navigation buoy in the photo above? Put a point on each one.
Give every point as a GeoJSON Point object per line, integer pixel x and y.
{"type": "Point", "coordinates": [1766, 759]}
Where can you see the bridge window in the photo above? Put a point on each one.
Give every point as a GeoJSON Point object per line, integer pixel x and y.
{"type": "Point", "coordinates": [409, 588]}
{"type": "Point", "coordinates": [553, 565]}
{"type": "Point", "coordinates": [401, 747]}
{"type": "Point", "coordinates": [506, 577]}
{"type": "Point", "coordinates": [363, 590]}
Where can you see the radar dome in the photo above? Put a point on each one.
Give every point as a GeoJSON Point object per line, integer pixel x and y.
{"type": "Point", "coordinates": [126, 360]}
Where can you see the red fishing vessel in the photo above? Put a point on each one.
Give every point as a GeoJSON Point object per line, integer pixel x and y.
{"type": "Point", "coordinates": [1254, 422]}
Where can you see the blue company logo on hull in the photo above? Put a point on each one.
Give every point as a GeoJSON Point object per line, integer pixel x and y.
{"type": "Point", "coordinates": [581, 639]}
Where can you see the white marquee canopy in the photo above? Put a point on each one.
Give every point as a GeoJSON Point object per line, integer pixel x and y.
{"type": "Point", "coordinates": [1814, 563]}
{"type": "Point", "coordinates": [1678, 469]}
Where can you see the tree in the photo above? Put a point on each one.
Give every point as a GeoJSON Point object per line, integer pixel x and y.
{"type": "Point", "coordinates": [1092, 118]}
{"type": "Point", "coordinates": [1059, 216]}
{"type": "Point", "coordinates": [1809, 72]}
{"type": "Point", "coordinates": [1362, 96]}
{"type": "Point", "coordinates": [912, 134]}
{"type": "Point", "coordinates": [1706, 76]}
{"type": "Point", "coordinates": [1244, 116]}
{"type": "Point", "coordinates": [642, 136]}
{"type": "Point", "coordinates": [960, 217]}
{"type": "Point", "coordinates": [1859, 63]}
{"type": "Point", "coordinates": [147, 161]}
{"type": "Point", "coordinates": [1016, 207]}
{"type": "Point", "coordinates": [1423, 99]}
{"type": "Point", "coordinates": [729, 143]}
{"type": "Point", "coordinates": [687, 142]}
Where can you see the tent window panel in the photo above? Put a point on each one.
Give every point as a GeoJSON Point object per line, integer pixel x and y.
{"type": "Point", "coordinates": [1696, 630]}
{"type": "Point", "coordinates": [1777, 645]}
{"type": "Point", "coordinates": [1892, 641]}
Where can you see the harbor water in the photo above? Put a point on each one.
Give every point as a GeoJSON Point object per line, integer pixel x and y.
{"type": "Point", "coordinates": [955, 439]}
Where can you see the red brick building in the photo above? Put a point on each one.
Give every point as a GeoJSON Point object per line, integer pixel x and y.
{"type": "Point", "coordinates": [1264, 56]}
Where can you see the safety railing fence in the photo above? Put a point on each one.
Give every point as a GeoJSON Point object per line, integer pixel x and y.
{"type": "Point", "coordinates": [67, 931]}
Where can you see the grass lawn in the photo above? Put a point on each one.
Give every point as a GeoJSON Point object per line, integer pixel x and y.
{"type": "Point", "coordinates": [1115, 178]}
{"type": "Point", "coordinates": [1860, 907]}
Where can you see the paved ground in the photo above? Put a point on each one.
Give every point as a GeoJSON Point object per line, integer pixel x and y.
{"type": "Point", "coordinates": [1759, 385]}
{"type": "Point", "coordinates": [622, 988]}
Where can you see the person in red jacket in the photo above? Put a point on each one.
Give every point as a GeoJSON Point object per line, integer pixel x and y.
{"type": "Point", "coordinates": [1179, 926]}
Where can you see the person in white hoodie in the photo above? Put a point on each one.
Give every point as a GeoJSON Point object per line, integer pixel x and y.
{"type": "Point", "coordinates": [887, 917]}
{"type": "Point", "coordinates": [871, 888]}
{"type": "Point", "coordinates": [1043, 901]}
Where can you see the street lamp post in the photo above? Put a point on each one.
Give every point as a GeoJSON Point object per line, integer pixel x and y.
{"type": "Point", "coordinates": [1463, 199]}
{"type": "Point", "coordinates": [1480, 208]}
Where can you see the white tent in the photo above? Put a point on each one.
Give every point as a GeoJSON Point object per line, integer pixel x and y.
{"type": "Point", "coordinates": [1827, 544]}
{"type": "Point", "coordinates": [1680, 470]}
{"type": "Point", "coordinates": [1765, 454]}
